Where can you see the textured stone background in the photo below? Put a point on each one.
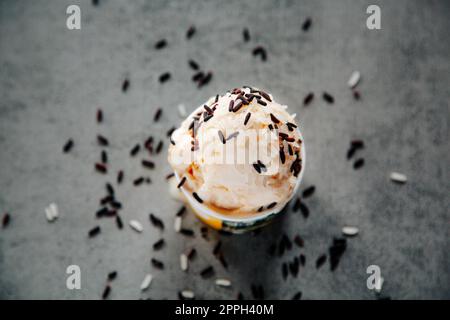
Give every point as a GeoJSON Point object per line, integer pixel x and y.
{"type": "Point", "coordinates": [52, 80]}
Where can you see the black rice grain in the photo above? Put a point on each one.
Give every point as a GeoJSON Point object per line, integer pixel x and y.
{"type": "Point", "coordinates": [158, 244]}
{"type": "Point", "coordinates": [6, 220]}
{"type": "Point", "coordinates": [157, 222]}
{"type": "Point", "coordinates": [207, 272]}
{"type": "Point", "coordinates": [164, 77]}
{"type": "Point", "coordinates": [156, 117]}
{"type": "Point", "coordinates": [161, 44]}
{"type": "Point", "coordinates": [246, 35]}
{"type": "Point", "coordinates": [106, 292]}
{"type": "Point", "coordinates": [190, 32]}
{"type": "Point", "coordinates": [328, 97]}
{"type": "Point", "coordinates": [308, 191]}
{"type": "Point", "coordinates": [94, 231]}
{"type": "Point", "coordinates": [68, 146]}
{"type": "Point", "coordinates": [197, 197]}
{"type": "Point", "coordinates": [321, 260]}
{"type": "Point", "coordinates": [102, 140]}
{"type": "Point", "coordinates": [135, 150]}
{"type": "Point", "coordinates": [157, 264]}
{"type": "Point", "coordinates": [358, 163]}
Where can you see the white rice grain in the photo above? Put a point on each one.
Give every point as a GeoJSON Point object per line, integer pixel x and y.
{"type": "Point", "coordinates": [177, 224]}
{"type": "Point", "coordinates": [51, 212]}
{"type": "Point", "coordinates": [136, 225]}
{"type": "Point", "coordinates": [182, 110]}
{"type": "Point", "coordinates": [146, 282]}
{"type": "Point", "coordinates": [398, 177]}
{"type": "Point", "coordinates": [183, 262]}
{"type": "Point", "coordinates": [223, 282]}
{"type": "Point", "coordinates": [350, 231]}
{"type": "Point", "coordinates": [354, 79]}
{"type": "Point", "coordinates": [187, 294]}
{"type": "Point", "coordinates": [379, 284]}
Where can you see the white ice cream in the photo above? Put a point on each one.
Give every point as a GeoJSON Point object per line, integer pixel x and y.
{"type": "Point", "coordinates": [227, 185]}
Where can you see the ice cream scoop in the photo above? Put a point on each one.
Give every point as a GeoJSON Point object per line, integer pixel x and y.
{"type": "Point", "coordinates": [238, 159]}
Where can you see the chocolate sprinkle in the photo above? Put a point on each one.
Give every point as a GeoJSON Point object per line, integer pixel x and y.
{"type": "Point", "coordinates": [157, 115]}
{"type": "Point", "coordinates": [231, 105]}
{"type": "Point", "coordinates": [263, 103]}
{"type": "Point", "coordinates": [265, 95]}
{"type": "Point", "coordinates": [183, 180]}
{"type": "Point", "coordinates": [237, 106]}
{"type": "Point", "coordinates": [257, 167]}
{"type": "Point", "coordinates": [270, 206]}
{"type": "Point", "coordinates": [247, 117]}
{"type": "Point", "coordinates": [221, 136]}
{"type": "Point", "coordinates": [197, 197]}
{"type": "Point", "coordinates": [282, 156]}
{"type": "Point", "coordinates": [274, 119]}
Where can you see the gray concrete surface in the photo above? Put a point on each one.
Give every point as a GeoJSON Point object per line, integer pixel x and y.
{"type": "Point", "coordinates": [52, 80]}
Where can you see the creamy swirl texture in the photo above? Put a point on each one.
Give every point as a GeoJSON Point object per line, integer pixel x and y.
{"type": "Point", "coordinates": [239, 153]}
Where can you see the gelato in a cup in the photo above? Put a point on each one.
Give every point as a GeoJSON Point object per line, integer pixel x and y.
{"type": "Point", "coordinates": [238, 159]}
